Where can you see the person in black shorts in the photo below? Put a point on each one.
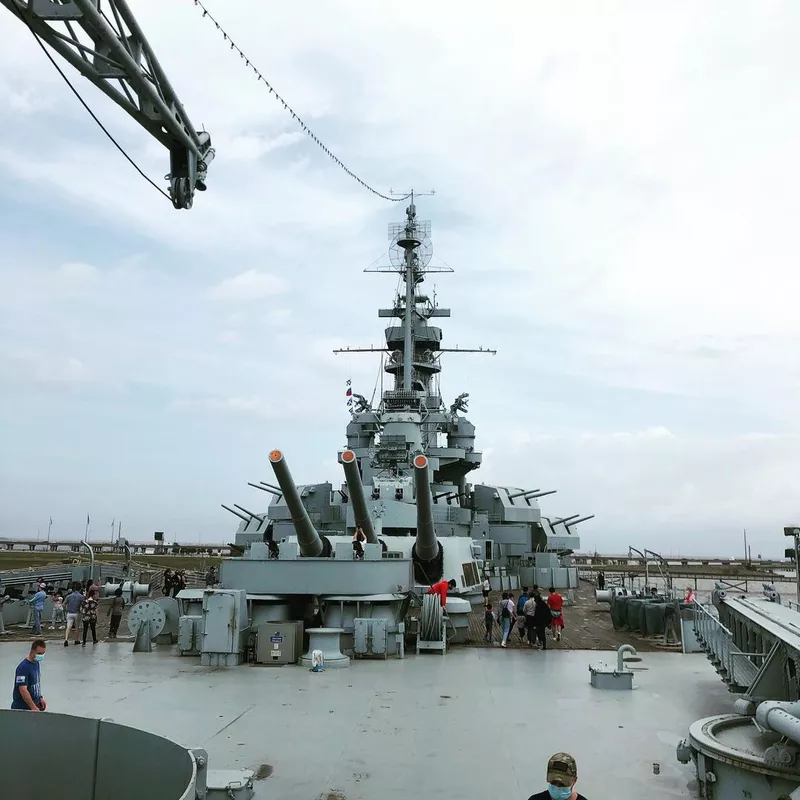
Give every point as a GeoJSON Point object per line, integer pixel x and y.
{"type": "Point", "coordinates": [562, 773]}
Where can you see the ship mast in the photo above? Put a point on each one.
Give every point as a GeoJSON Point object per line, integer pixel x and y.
{"type": "Point", "coordinates": [410, 241]}
{"type": "Point", "coordinates": [414, 346]}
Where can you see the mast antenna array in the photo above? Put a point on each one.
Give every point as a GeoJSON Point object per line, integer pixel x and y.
{"type": "Point", "coordinates": [410, 254]}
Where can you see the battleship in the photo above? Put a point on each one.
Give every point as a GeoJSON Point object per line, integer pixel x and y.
{"type": "Point", "coordinates": [304, 673]}
{"type": "Point", "coordinates": [405, 497]}
{"type": "Point", "coordinates": [290, 677]}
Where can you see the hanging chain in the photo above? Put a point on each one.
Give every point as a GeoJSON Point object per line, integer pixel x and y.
{"type": "Point", "coordinates": [289, 109]}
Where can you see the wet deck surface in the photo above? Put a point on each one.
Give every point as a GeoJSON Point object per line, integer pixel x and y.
{"type": "Point", "coordinates": [587, 626]}
{"type": "Point", "coordinates": [476, 723]}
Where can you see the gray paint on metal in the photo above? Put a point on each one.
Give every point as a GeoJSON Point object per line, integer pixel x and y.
{"type": "Point", "coordinates": [365, 726]}
{"type": "Point", "coordinates": [89, 758]}
{"type": "Point", "coordinates": [317, 576]}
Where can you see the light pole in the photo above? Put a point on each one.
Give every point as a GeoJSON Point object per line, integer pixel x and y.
{"type": "Point", "coordinates": [794, 531]}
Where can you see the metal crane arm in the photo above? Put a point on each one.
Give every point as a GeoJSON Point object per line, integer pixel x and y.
{"type": "Point", "coordinates": [114, 55]}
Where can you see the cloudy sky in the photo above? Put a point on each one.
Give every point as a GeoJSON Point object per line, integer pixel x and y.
{"type": "Point", "coordinates": [615, 187]}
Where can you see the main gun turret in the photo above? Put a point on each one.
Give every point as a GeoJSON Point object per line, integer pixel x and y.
{"type": "Point", "coordinates": [357, 496]}
{"type": "Point", "coordinates": [310, 542]}
{"type": "Point", "coordinates": [427, 551]}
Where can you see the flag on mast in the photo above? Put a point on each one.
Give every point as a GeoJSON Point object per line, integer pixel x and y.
{"type": "Point", "coordinates": [349, 393]}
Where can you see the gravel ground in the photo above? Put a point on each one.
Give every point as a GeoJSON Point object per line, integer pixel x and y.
{"type": "Point", "coordinates": [587, 626]}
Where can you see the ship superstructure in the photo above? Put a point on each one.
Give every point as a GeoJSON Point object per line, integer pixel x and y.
{"type": "Point", "coordinates": [412, 418]}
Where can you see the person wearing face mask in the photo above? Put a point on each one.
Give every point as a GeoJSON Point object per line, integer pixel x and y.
{"type": "Point", "coordinates": [28, 682]}
{"type": "Point", "coordinates": [562, 773]}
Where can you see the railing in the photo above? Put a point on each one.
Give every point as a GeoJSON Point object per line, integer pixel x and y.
{"type": "Point", "coordinates": [735, 666]}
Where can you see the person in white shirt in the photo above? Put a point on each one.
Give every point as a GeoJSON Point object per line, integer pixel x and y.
{"type": "Point", "coordinates": [487, 587]}
{"type": "Point", "coordinates": [505, 616]}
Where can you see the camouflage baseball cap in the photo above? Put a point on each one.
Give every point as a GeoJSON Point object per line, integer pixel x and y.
{"type": "Point", "coordinates": [562, 769]}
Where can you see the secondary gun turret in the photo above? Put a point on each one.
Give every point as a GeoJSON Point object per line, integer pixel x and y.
{"type": "Point", "coordinates": [357, 496]}
{"type": "Point", "coordinates": [310, 542]}
{"type": "Point", "coordinates": [427, 551]}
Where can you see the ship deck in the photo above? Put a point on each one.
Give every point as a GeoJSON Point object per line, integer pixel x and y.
{"type": "Point", "coordinates": [474, 723]}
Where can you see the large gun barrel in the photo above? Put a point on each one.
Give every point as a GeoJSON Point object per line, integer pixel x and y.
{"type": "Point", "coordinates": [564, 519]}
{"type": "Point", "coordinates": [236, 513]}
{"type": "Point", "coordinates": [310, 542]}
{"type": "Point", "coordinates": [427, 551]}
{"type": "Point", "coordinates": [522, 493]}
{"type": "Point", "coordinates": [582, 519]}
{"type": "Point", "coordinates": [357, 496]}
{"type": "Point", "coordinates": [537, 494]}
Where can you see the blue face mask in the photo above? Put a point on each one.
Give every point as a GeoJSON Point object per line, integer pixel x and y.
{"type": "Point", "coordinates": [39, 656]}
{"type": "Point", "coordinates": [559, 792]}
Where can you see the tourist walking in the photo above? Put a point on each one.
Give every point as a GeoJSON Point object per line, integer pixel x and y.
{"type": "Point", "coordinates": [523, 598]}
{"type": "Point", "coordinates": [211, 577]}
{"type": "Point", "coordinates": [487, 587]}
{"type": "Point", "coordinates": [28, 682]}
{"type": "Point", "coordinates": [115, 612]}
{"type": "Point", "coordinates": [555, 603]}
{"type": "Point", "coordinates": [529, 613]}
{"type": "Point", "coordinates": [601, 580]}
{"type": "Point", "coordinates": [542, 620]}
{"type": "Point", "coordinates": [37, 601]}
{"type": "Point", "coordinates": [167, 587]}
{"type": "Point", "coordinates": [57, 617]}
{"type": "Point", "coordinates": [488, 623]}
{"type": "Point", "coordinates": [562, 773]}
{"type": "Point", "coordinates": [505, 617]}
{"type": "Point", "coordinates": [89, 617]}
{"type": "Point", "coordinates": [72, 604]}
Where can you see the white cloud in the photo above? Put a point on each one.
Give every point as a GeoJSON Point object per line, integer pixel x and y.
{"type": "Point", "coordinates": [614, 187]}
{"type": "Point", "coordinates": [249, 285]}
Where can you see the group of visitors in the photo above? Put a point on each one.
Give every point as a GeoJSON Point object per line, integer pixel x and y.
{"type": "Point", "coordinates": [81, 606]}
{"type": "Point", "coordinates": [174, 581]}
{"type": "Point", "coordinates": [75, 610]}
{"type": "Point", "coordinates": [531, 615]}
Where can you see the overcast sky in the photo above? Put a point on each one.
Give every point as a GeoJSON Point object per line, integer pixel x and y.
{"type": "Point", "coordinates": [616, 188]}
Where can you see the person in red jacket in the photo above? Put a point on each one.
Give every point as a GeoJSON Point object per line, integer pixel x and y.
{"type": "Point", "coordinates": [441, 589]}
{"type": "Point", "coordinates": [556, 604]}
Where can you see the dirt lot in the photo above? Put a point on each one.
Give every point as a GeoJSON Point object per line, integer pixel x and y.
{"type": "Point", "coordinates": [587, 626]}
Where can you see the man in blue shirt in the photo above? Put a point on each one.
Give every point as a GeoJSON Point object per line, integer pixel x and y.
{"type": "Point", "coordinates": [28, 682]}
{"type": "Point", "coordinates": [37, 601]}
